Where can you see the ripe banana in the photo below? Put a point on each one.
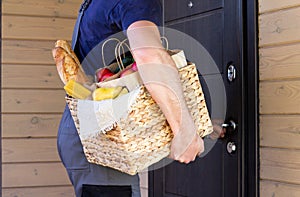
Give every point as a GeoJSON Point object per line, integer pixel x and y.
{"type": "Point", "coordinates": [76, 90]}
{"type": "Point", "coordinates": [107, 93]}
{"type": "Point", "coordinates": [123, 91]}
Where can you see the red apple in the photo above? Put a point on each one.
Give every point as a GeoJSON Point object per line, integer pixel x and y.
{"type": "Point", "coordinates": [100, 73]}
{"type": "Point", "coordinates": [126, 71]}
{"type": "Point", "coordinates": [107, 75]}
{"type": "Point", "coordinates": [134, 66]}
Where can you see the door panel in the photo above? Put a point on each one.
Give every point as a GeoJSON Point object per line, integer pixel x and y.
{"type": "Point", "coordinates": [184, 8]}
{"type": "Point", "coordinates": [218, 173]}
{"type": "Point", "coordinates": [194, 178]}
{"type": "Point", "coordinates": [209, 36]}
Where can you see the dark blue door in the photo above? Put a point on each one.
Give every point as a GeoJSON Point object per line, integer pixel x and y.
{"type": "Point", "coordinates": [218, 26]}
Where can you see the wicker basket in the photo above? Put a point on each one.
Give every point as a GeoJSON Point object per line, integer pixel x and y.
{"type": "Point", "coordinates": [144, 136]}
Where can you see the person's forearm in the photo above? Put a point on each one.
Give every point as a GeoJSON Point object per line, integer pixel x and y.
{"type": "Point", "coordinates": [161, 78]}
{"type": "Point", "coordinates": [164, 96]}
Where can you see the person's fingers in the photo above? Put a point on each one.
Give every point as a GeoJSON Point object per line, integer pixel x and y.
{"type": "Point", "coordinates": [201, 149]}
{"type": "Point", "coordinates": [223, 133]}
{"type": "Point", "coordinates": [218, 130]}
{"type": "Point", "coordinates": [186, 160]}
{"type": "Point", "coordinates": [195, 149]}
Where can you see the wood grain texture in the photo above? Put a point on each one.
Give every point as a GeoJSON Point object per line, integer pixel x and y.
{"type": "Point", "coordinates": [279, 74]}
{"type": "Point", "coordinates": [57, 8]}
{"type": "Point", "coordinates": [30, 76]}
{"type": "Point", "coordinates": [280, 165]}
{"type": "Point", "coordinates": [279, 62]}
{"type": "Point", "coordinates": [280, 131]}
{"type": "Point", "coordinates": [33, 97]}
{"type": "Point", "coordinates": [30, 125]}
{"type": "Point", "coordinates": [29, 150]}
{"type": "Point", "coordinates": [276, 189]}
{"type": "Point", "coordinates": [280, 97]}
{"type": "Point", "coordinates": [36, 28]}
{"type": "Point", "coordinates": [27, 52]}
{"type": "Point", "coordinates": [32, 101]}
{"type": "Point", "coordinates": [279, 27]}
{"type": "Point", "coordinates": [275, 5]}
{"type": "Point", "coordinates": [57, 191]}
{"type": "Point", "coordinates": [34, 175]}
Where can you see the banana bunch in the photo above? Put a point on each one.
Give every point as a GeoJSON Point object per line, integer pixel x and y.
{"type": "Point", "coordinates": [104, 93]}
{"type": "Point", "coordinates": [76, 90]}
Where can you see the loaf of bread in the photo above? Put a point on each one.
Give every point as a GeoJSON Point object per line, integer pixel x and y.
{"type": "Point", "coordinates": [67, 64]}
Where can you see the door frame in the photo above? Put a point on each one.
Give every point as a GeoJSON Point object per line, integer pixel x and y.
{"type": "Point", "coordinates": [251, 99]}
{"type": "Point", "coordinates": [250, 137]}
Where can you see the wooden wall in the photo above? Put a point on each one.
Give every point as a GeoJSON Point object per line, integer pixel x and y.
{"type": "Point", "coordinates": [279, 54]}
{"type": "Point", "coordinates": [32, 96]}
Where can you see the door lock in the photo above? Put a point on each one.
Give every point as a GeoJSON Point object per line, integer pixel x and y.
{"type": "Point", "coordinates": [231, 73]}
{"type": "Point", "coordinates": [190, 4]}
{"type": "Point", "coordinates": [231, 147]}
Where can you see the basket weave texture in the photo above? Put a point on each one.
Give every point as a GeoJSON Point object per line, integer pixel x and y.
{"type": "Point", "coordinates": [144, 136]}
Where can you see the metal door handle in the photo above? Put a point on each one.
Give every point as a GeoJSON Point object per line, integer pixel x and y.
{"type": "Point", "coordinates": [231, 124]}
{"type": "Point", "coordinates": [230, 128]}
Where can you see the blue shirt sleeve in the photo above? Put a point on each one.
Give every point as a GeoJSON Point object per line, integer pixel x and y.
{"type": "Point", "coordinates": [127, 12]}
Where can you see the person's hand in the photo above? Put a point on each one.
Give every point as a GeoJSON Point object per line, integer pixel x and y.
{"type": "Point", "coordinates": [195, 149]}
{"type": "Point", "coordinates": [218, 130]}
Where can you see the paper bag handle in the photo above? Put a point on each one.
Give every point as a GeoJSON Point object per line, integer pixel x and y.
{"type": "Point", "coordinates": [120, 46]}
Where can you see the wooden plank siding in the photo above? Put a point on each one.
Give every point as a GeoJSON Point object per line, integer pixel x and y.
{"type": "Point", "coordinates": [32, 96]}
{"type": "Point", "coordinates": [279, 28]}
{"type": "Point", "coordinates": [272, 188]}
{"type": "Point", "coordinates": [47, 8]}
{"type": "Point", "coordinates": [34, 175]}
{"type": "Point", "coordinates": [30, 52]}
{"type": "Point", "coordinates": [280, 97]}
{"type": "Point", "coordinates": [37, 125]}
{"type": "Point", "coordinates": [32, 101]}
{"type": "Point", "coordinates": [30, 76]}
{"type": "Point", "coordinates": [28, 27]}
{"type": "Point", "coordinates": [57, 191]}
{"type": "Point", "coordinates": [279, 74]}
{"type": "Point", "coordinates": [280, 131]}
{"type": "Point", "coordinates": [29, 150]}
{"type": "Point", "coordinates": [279, 63]}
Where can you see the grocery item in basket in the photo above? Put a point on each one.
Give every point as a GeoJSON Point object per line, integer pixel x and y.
{"type": "Point", "coordinates": [77, 90]}
{"type": "Point", "coordinates": [107, 93]}
{"type": "Point", "coordinates": [67, 64]}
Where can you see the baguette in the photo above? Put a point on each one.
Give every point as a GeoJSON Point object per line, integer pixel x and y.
{"type": "Point", "coordinates": [67, 64]}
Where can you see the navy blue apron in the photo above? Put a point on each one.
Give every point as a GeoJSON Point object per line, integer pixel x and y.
{"type": "Point", "coordinates": [89, 180]}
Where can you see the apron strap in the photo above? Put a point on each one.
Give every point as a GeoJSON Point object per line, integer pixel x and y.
{"type": "Point", "coordinates": [83, 6]}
